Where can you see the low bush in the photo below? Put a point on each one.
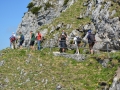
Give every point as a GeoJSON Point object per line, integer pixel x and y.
{"type": "Point", "coordinates": [65, 2]}
{"type": "Point", "coordinates": [35, 10]}
{"type": "Point", "coordinates": [48, 5]}
{"type": "Point", "coordinates": [30, 5]}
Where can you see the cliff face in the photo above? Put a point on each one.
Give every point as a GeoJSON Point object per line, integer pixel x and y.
{"type": "Point", "coordinates": [103, 20]}
{"type": "Point", "coordinates": [107, 26]}
{"type": "Point", "coordinates": [46, 14]}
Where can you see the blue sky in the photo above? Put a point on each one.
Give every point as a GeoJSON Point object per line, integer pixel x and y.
{"type": "Point", "coordinates": [11, 13]}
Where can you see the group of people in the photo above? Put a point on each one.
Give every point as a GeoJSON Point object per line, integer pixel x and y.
{"type": "Point", "coordinates": [21, 39]}
{"type": "Point", "coordinates": [62, 41]}
{"type": "Point", "coordinates": [90, 37]}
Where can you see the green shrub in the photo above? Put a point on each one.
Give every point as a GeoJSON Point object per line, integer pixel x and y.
{"type": "Point", "coordinates": [35, 10]}
{"type": "Point", "coordinates": [65, 2]}
{"type": "Point", "coordinates": [30, 5]}
{"type": "Point", "coordinates": [114, 62]}
{"type": "Point", "coordinates": [48, 5]}
{"type": "Point", "coordinates": [116, 56]}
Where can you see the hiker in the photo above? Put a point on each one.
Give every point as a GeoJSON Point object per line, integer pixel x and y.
{"type": "Point", "coordinates": [62, 40]}
{"type": "Point", "coordinates": [77, 41]}
{"type": "Point", "coordinates": [32, 41]}
{"type": "Point", "coordinates": [38, 37]}
{"type": "Point", "coordinates": [91, 41]}
{"type": "Point", "coordinates": [12, 41]}
{"type": "Point", "coordinates": [21, 39]}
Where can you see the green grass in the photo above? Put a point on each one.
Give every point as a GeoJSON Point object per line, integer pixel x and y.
{"type": "Point", "coordinates": [115, 7]}
{"type": "Point", "coordinates": [26, 70]}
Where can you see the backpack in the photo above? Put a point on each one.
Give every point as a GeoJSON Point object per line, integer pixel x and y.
{"type": "Point", "coordinates": [78, 40]}
{"type": "Point", "coordinates": [12, 38]}
{"type": "Point", "coordinates": [91, 38]}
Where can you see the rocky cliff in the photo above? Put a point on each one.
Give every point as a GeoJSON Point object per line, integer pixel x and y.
{"type": "Point", "coordinates": [101, 13]}
{"type": "Point", "coordinates": [49, 10]}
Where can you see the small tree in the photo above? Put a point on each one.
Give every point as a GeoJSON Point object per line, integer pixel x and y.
{"type": "Point", "coordinates": [48, 5]}
{"type": "Point", "coordinates": [65, 2]}
{"type": "Point", "coordinates": [30, 5]}
{"type": "Point", "coordinates": [35, 10]}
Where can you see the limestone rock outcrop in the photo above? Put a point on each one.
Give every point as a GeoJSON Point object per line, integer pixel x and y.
{"type": "Point", "coordinates": [46, 14]}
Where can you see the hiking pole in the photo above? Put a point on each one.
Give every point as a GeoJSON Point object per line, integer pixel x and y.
{"type": "Point", "coordinates": [50, 45]}
{"type": "Point", "coordinates": [107, 50]}
{"type": "Point", "coordinates": [77, 49]}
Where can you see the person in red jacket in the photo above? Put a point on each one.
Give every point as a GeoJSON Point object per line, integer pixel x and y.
{"type": "Point", "coordinates": [39, 36]}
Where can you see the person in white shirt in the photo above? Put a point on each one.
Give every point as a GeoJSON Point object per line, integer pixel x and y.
{"type": "Point", "coordinates": [76, 44]}
{"type": "Point", "coordinates": [75, 40]}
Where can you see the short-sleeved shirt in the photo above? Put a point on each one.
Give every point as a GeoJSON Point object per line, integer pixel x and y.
{"type": "Point", "coordinates": [33, 37]}
{"type": "Point", "coordinates": [21, 37]}
{"type": "Point", "coordinates": [39, 36]}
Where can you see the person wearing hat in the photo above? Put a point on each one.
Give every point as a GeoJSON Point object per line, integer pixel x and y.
{"type": "Point", "coordinates": [13, 34]}
{"type": "Point", "coordinates": [12, 41]}
{"type": "Point", "coordinates": [91, 40]}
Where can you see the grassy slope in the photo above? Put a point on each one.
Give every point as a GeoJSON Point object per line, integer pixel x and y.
{"type": "Point", "coordinates": [69, 17]}
{"type": "Point", "coordinates": [29, 70]}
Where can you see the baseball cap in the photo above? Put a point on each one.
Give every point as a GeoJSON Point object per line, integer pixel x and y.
{"type": "Point", "coordinates": [89, 30]}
